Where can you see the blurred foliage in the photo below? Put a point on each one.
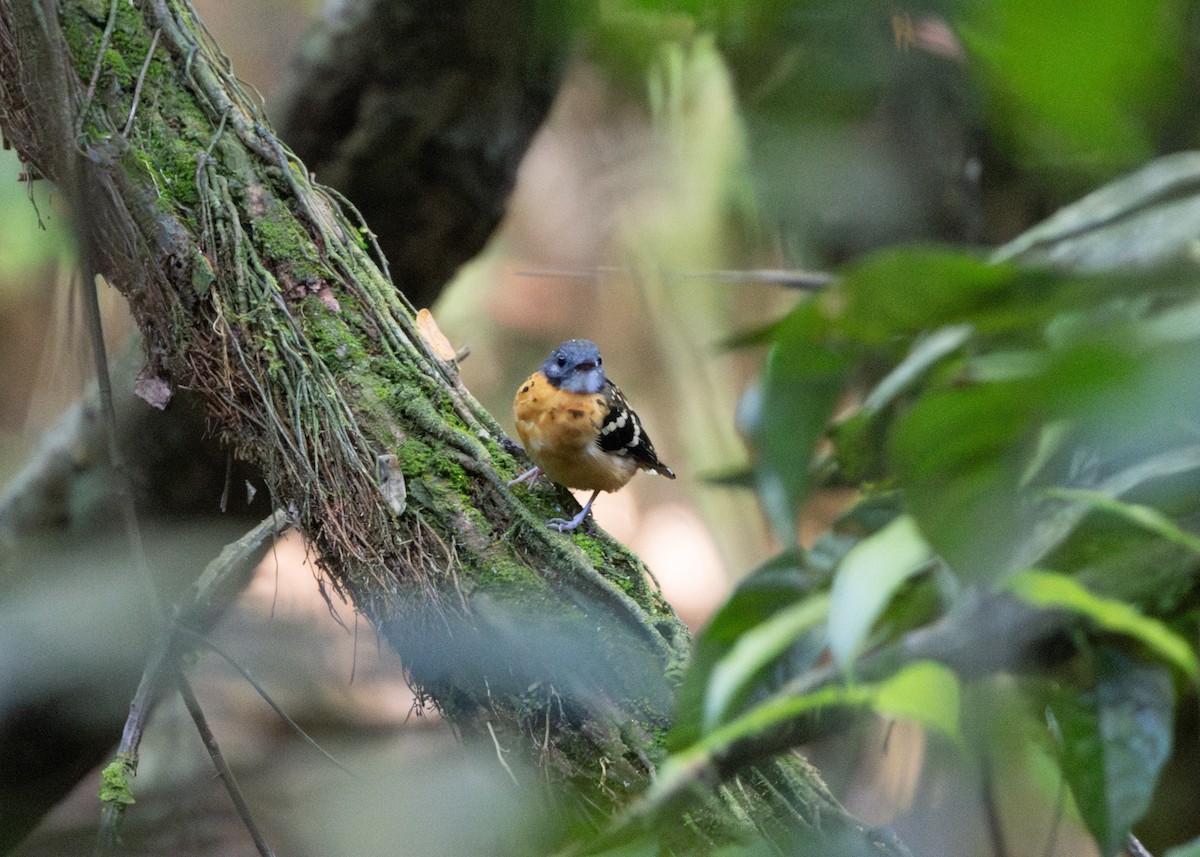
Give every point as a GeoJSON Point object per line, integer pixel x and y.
{"type": "Point", "coordinates": [32, 234]}
{"type": "Point", "coordinates": [1074, 86]}
{"type": "Point", "coordinates": [1022, 429]}
{"type": "Point", "coordinates": [996, 411]}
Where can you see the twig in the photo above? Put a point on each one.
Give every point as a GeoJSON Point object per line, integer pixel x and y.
{"type": "Point", "coordinates": [117, 775]}
{"type": "Point", "coordinates": [234, 559]}
{"type": "Point", "coordinates": [500, 753]}
{"type": "Point", "coordinates": [214, 752]}
{"type": "Point", "coordinates": [141, 78]}
{"type": "Point", "coordinates": [809, 281]}
{"type": "Point", "coordinates": [266, 696]}
{"type": "Point", "coordinates": [101, 50]}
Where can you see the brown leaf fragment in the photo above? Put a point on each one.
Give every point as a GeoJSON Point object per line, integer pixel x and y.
{"type": "Point", "coordinates": [433, 335]}
{"type": "Point", "coordinates": [152, 390]}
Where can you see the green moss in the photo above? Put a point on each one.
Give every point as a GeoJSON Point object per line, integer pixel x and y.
{"type": "Point", "coordinates": [414, 459]}
{"type": "Point", "coordinates": [82, 35]}
{"type": "Point", "coordinates": [114, 781]}
{"type": "Point", "coordinates": [118, 70]}
{"type": "Point", "coordinates": [334, 341]}
{"type": "Point", "coordinates": [420, 463]}
{"type": "Point", "coordinates": [171, 157]}
{"type": "Point", "coordinates": [505, 570]}
{"type": "Point", "coordinates": [280, 238]}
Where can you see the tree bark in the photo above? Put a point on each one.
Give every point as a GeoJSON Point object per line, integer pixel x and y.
{"type": "Point", "coordinates": [420, 111]}
{"type": "Point", "coordinates": [255, 291]}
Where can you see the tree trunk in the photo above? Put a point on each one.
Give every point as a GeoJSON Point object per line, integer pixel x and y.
{"type": "Point", "coordinates": [419, 111]}
{"type": "Point", "coordinates": [252, 288]}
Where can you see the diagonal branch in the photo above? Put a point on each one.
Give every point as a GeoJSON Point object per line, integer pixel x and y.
{"type": "Point", "coordinates": [253, 289]}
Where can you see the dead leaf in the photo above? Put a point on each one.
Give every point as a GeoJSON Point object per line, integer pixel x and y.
{"type": "Point", "coordinates": [433, 335]}
{"type": "Point", "coordinates": [152, 390]}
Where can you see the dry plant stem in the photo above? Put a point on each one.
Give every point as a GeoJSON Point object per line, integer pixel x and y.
{"type": "Point", "coordinates": [807, 281]}
{"type": "Point", "coordinates": [133, 527]}
{"type": "Point", "coordinates": [234, 561]}
{"type": "Point", "coordinates": [214, 752]}
{"type": "Point", "coordinates": [262, 691]}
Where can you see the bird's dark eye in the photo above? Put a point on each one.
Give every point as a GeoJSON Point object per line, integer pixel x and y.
{"type": "Point", "coordinates": [560, 360]}
{"type": "Point", "coordinates": [599, 361]}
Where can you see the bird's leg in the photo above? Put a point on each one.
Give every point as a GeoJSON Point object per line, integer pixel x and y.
{"type": "Point", "coordinates": [528, 476]}
{"type": "Point", "coordinates": [562, 524]}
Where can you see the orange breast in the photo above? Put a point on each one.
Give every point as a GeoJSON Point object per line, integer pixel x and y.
{"type": "Point", "coordinates": [559, 430]}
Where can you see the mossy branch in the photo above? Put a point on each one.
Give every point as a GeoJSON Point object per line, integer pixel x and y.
{"type": "Point", "coordinates": [254, 288]}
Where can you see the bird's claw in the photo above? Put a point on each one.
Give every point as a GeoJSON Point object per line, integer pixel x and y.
{"type": "Point", "coordinates": [531, 476]}
{"type": "Point", "coordinates": [563, 525]}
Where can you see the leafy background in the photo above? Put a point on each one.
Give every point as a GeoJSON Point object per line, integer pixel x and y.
{"type": "Point", "coordinates": [950, 445]}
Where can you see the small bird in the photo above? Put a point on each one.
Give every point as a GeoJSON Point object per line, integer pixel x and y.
{"type": "Point", "coordinates": [578, 429]}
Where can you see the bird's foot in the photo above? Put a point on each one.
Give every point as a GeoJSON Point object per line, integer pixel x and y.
{"type": "Point", "coordinates": [529, 476]}
{"type": "Point", "coordinates": [563, 525]}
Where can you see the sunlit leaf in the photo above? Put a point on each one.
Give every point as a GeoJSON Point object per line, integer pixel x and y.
{"type": "Point", "coordinates": [902, 695]}
{"type": "Point", "coordinates": [865, 581]}
{"type": "Point", "coordinates": [1115, 741]}
{"type": "Point", "coordinates": [779, 710]}
{"type": "Point", "coordinates": [926, 693]}
{"type": "Point", "coordinates": [754, 650]}
{"type": "Point", "coordinates": [1058, 591]}
{"type": "Point", "coordinates": [1143, 516]}
{"type": "Point", "coordinates": [771, 589]}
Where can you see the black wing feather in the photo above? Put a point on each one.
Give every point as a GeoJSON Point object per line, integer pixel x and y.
{"type": "Point", "coordinates": [621, 433]}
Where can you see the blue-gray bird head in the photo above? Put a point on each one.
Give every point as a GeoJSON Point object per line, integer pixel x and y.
{"type": "Point", "coordinates": [575, 366]}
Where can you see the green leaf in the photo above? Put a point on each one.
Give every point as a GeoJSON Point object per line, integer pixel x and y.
{"type": "Point", "coordinates": [926, 693]}
{"type": "Point", "coordinates": [1141, 221]}
{"type": "Point", "coordinates": [754, 650]}
{"type": "Point", "coordinates": [956, 453]}
{"type": "Point", "coordinates": [800, 387]}
{"type": "Point", "coordinates": [925, 353]}
{"type": "Point", "coordinates": [907, 292]}
{"type": "Point", "coordinates": [1050, 590]}
{"type": "Point", "coordinates": [903, 695]}
{"type": "Point", "coordinates": [1146, 517]}
{"type": "Point", "coordinates": [1074, 83]}
{"type": "Point", "coordinates": [1115, 741]}
{"type": "Point", "coordinates": [964, 454]}
{"type": "Point", "coordinates": [772, 588]}
{"type": "Point", "coordinates": [865, 581]}
{"type": "Point", "coordinates": [780, 709]}
{"type": "Point", "coordinates": [859, 436]}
